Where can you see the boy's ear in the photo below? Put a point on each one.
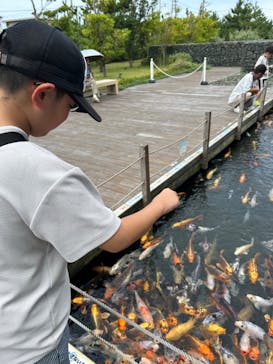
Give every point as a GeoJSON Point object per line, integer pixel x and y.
{"type": "Point", "coordinates": [40, 92]}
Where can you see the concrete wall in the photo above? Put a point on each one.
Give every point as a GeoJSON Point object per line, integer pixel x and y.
{"type": "Point", "coordinates": [236, 53]}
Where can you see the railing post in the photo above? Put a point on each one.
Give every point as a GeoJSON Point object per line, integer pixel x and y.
{"type": "Point", "coordinates": [204, 82]}
{"type": "Point", "coordinates": [241, 117]}
{"type": "Point", "coordinates": [151, 80]}
{"type": "Point", "coordinates": [145, 173]}
{"type": "Point", "coordinates": [206, 139]}
{"type": "Point", "coordinates": [260, 117]}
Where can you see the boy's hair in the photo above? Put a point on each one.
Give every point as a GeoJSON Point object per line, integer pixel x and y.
{"type": "Point", "coordinates": [269, 50]}
{"type": "Point", "coordinates": [261, 68]}
{"type": "Point", "coordinates": [12, 81]}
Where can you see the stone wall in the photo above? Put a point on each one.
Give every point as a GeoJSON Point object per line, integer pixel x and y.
{"type": "Point", "coordinates": [236, 53]}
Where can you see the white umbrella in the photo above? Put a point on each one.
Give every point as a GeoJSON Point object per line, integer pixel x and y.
{"type": "Point", "coordinates": [92, 54]}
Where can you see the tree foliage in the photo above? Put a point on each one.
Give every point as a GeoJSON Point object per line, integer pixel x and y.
{"type": "Point", "coordinates": [245, 17]}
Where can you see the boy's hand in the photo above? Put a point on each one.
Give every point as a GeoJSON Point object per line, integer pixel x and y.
{"type": "Point", "coordinates": [168, 199]}
{"type": "Point", "coordinates": [254, 90]}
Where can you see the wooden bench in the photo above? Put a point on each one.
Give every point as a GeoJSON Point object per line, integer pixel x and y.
{"type": "Point", "coordinates": [111, 86]}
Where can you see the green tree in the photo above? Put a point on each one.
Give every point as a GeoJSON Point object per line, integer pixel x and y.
{"type": "Point", "coordinates": [245, 17]}
{"type": "Point", "coordinates": [99, 32]}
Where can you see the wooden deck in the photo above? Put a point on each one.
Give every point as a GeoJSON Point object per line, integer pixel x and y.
{"type": "Point", "coordinates": [157, 114]}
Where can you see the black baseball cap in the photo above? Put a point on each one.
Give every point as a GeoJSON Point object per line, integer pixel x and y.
{"type": "Point", "coordinates": [45, 53]}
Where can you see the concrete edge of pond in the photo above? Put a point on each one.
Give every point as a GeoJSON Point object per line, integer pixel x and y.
{"type": "Point", "coordinates": [180, 173]}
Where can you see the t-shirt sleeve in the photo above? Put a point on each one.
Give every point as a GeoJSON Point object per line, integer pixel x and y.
{"type": "Point", "coordinates": [72, 216]}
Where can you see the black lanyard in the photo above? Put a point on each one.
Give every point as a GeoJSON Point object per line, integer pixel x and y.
{"type": "Point", "coordinates": [11, 137]}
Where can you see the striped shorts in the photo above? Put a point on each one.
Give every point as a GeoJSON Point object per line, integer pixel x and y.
{"type": "Point", "coordinates": [60, 354]}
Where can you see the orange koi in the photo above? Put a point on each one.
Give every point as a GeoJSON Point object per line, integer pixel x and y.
{"type": "Point", "coordinates": [180, 330]}
{"type": "Point", "coordinates": [224, 265]}
{"type": "Point", "coordinates": [228, 153]}
{"type": "Point", "coordinates": [242, 178]}
{"type": "Point", "coordinates": [252, 269]}
{"type": "Point", "coordinates": [269, 321]}
{"type": "Point", "coordinates": [79, 300]}
{"type": "Point", "coordinates": [217, 273]}
{"type": "Point", "coordinates": [150, 243]}
{"type": "Point", "coordinates": [161, 322]}
{"type": "Point", "coordinates": [146, 286]}
{"type": "Point", "coordinates": [187, 309]}
{"type": "Point", "coordinates": [202, 347]}
{"type": "Point", "coordinates": [254, 353]}
{"type": "Point", "coordinates": [189, 252]}
{"type": "Point", "coordinates": [186, 222]}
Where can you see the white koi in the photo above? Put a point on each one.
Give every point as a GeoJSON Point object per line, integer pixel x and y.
{"type": "Point", "coordinates": [148, 251]}
{"type": "Point", "coordinates": [254, 331]}
{"type": "Point", "coordinates": [244, 249]}
{"type": "Point", "coordinates": [260, 302]}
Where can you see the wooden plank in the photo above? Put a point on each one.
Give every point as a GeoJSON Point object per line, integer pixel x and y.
{"type": "Point", "coordinates": [158, 114]}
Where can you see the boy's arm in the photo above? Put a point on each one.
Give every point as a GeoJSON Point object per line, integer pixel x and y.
{"type": "Point", "coordinates": [133, 226]}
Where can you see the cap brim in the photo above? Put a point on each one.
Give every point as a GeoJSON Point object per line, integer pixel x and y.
{"type": "Point", "coordinates": [85, 106]}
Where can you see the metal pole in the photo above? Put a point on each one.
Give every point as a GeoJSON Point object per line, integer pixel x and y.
{"type": "Point", "coordinates": [206, 139]}
{"type": "Point", "coordinates": [145, 173]}
{"type": "Point", "coordinates": [204, 82]}
{"type": "Point", "coordinates": [151, 80]}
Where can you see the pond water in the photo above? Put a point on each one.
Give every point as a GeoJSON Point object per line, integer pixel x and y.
{"type": "Point", "coordinates": [231, 206]}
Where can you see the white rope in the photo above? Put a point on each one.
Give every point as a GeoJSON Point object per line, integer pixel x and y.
{"type": "Point", "coordinates": [156, 338]}
{"type": "Point", "coordinates": [183, 76]}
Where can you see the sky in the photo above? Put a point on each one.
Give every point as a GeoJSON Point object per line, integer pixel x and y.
{"type": "Point", "coordinates": [17, 9]}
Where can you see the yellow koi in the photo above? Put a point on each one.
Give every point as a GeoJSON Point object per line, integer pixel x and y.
{"type": "Point", "coordinates": [180, 330]}
{"type": "Point", "coordinates": [211, 173]}
{"type": "Point", "coordinates": [186, 222]}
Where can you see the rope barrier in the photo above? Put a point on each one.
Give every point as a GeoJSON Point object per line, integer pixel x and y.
{"type": "Point", "coordinates": [156, 338]}
{"type": "Point", "coordinates": [182, 76]}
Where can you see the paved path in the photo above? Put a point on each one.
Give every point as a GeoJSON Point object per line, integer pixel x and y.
{"type": "Point", "coordinates": [157, 114]}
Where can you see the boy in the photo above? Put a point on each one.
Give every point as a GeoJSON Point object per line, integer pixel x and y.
{"type": "Point", "coordinates": [51, 213]}
{"type": "Point", "coordinates": [247, 85]}
{"type": "Point", "coordinates": [264, 59]}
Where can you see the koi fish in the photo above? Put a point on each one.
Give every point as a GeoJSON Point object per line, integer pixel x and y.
{"type": "Point", "coordinates": [252, 269]}
{"type": "Point", "coordinates": [242, 178]}
{"type": "Point", "coordinates": [80, 300]}
{"type": "Point", "coordinates": [223, 264]}
{"type": "Point", "coordinates": [180, 330]}
{"type": "Point", "coordinates": [123, 262]}
{"type": "Point", "coordinates": [199, 229]}
{"type": "Point", "coordinates": [253, 201]}
{"type": "Point", "coordinates": [269, 321]}
{"type": "Point", "coordinates": [145, 253]}
{"type": "Point", "coordinates": [244, 344]}
{"type": "Point", "coordinates": [144, 310]}
{"type": "Point", "coordinates": [168, 249]}
{"type": "Point", "coordinates": [259, 302]}
{"type": "Point", "coordinates": [194, 281]}
{"type": "Point", "coordinates": [217, 273]}
{"type": "Point", "coordinates": [213, 330]}
{"type": "Point", "coordinates": [228, 153]}
{"type": "Point", "coordinates": [211, 173]}
{"type": "Point", "coordinates": [254, 353]}
{"type": "Point", "coordinates": [97, 319]}
{"type": "Point", "coordinates": [270, 194]}
{"type": "Point", "coordinates": [186, 222]}
{"type": "Point", "coordinates": [189, 252]}
{"type": "Point", "coordinates": [244, 249]}
{"type": "Point", "coordinates": [223, 305]}
{"type": "Point", "coordinates": [213, 317]}
{"type": "Point", "coordinates": [253, 330]}
{"type": "Point", "coordinates": [201, 347]}
{"type": "Point", "coordinates": [227, 357]}
{"type": "Point", "coordinates": [119, 282]}
{"type": "Point", "coordinates": [245, 198]}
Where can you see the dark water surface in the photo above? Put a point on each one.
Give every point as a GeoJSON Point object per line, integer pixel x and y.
{"type": "Point", "coordinates": [245, 167]}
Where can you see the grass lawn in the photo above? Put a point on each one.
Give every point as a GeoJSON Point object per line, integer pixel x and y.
{"type": "Point", "coordinates": [137, 74]}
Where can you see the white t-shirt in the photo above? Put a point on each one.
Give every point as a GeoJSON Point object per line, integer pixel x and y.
{"type": "Point", "coordinates": [263, 60]}
{"type": "Point", "coordinates": [244, 85]}
{"type": "Point", "coordinates": [50, 214]}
